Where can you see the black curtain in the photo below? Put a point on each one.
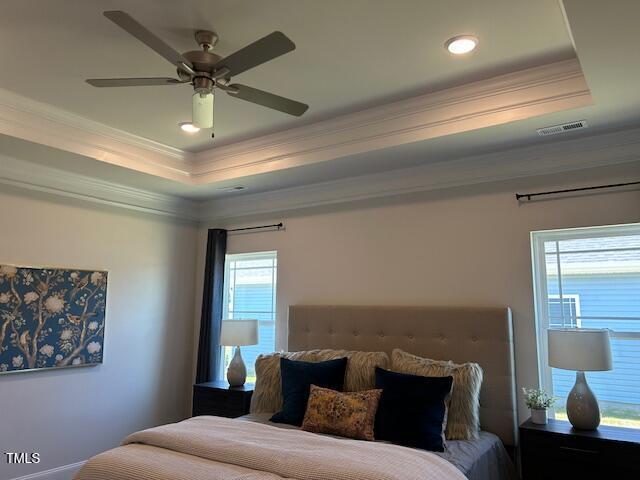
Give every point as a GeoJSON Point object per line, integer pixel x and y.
{"type": "Point", "coordinates": [211, 318]}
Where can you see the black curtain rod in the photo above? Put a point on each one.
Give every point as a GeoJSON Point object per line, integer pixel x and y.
{"type": "Point", "coordinates": [275, 225]}
{"type": "Point", "coordinates": [528, 196]}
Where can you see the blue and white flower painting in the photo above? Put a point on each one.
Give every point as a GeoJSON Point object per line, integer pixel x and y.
{"type": "Point", "coordinates": [51, 317]}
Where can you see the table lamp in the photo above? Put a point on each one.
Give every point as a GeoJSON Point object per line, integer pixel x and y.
{"type": "Point", "coordinates": [582, 350]}
{"type": "Point", "coordinates": [237, 333]}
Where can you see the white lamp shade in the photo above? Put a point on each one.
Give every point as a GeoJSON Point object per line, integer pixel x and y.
{"type": "Point", "coordinates": [202, 110]}
{"type": "Point", "coordinates": [580, 349]}
{"type": "Point", "coordinates": [239, 332]}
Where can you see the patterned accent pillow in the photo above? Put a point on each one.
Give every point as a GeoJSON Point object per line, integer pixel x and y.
{"type": "Point", "coordinates": [463, 420]}
{"type": "Point", "coordinates": [360, 375]}
{"type": "Point", "coordinates": [350, 414]}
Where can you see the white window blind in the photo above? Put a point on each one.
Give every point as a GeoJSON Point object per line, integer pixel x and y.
{"type": "Point", "coordinates": [250, 292]}
{"type": "Point", "coordinates": [590, 277]}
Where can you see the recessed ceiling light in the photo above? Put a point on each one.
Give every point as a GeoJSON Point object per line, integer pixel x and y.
{"type": "Point", "coordinates": [461, 44]}
{"type": "Point", "coordinates": [189, 127]}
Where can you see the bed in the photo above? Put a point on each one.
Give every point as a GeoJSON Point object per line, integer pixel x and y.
{"type": "Point", "coordinates": [482, 459]}
{"type": "Point", "coordinates": [252, 448]}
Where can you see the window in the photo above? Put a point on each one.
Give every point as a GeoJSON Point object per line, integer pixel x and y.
{"type": "Point", "coordinates": [590, 277]}
{"type": "Point", "coordinates": [570, 310]}
{"type": "Point", "coordinates": [250, 292]}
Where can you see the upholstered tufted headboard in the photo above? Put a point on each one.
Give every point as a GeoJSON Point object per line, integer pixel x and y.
{"type": "Point", "coordinates": [482, 335]}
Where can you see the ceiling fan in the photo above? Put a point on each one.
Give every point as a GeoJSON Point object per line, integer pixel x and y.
{"type": "Point", "coordinates": [207, 71]}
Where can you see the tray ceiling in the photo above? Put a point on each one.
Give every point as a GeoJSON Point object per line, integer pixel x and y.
{"type": "Point", "coordinates": [350, 55]}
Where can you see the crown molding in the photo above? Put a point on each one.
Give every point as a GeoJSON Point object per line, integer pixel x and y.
{"type": "Point", "coordinates": [579, 153]}
{"type": "Point", "coordinates": [37, 122]}
{"type": "Point", "coordinates": [30, 176]}
{"type": "Point", "coordinates": [515, 96]}
{"type": "Point", "coordinates": [576, 154]}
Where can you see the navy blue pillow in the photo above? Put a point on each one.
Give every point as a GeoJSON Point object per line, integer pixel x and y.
{"type": "Point", "coordinates": [412, 409]}
{"type": "Point", "coordinates": [297, 378]}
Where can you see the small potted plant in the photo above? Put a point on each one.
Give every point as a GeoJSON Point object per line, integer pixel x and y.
{"type": "Point", "coordinates": [538, 401]}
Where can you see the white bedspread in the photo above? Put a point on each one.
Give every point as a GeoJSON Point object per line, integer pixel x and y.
{"type": "Point", "coordinates": [218, 448]}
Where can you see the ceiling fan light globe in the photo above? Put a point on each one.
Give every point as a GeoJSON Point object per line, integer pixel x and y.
{"type": "Point", "coordinates": [202, 110]}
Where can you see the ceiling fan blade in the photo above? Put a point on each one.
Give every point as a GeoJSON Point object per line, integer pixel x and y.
{"type": "Point", "coordinates": [256, 53]}
{"type": "Point", "coordinates": [130, 25]}
{"type": "Point", "coordinates": [266, 99]}
{"type": "Point", "coordinates": [132, 82]}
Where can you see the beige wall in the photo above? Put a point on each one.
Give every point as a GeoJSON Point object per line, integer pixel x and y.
{"type": "Point", "coordinates": [69, 415]}
{"type": "Point", "coordinates": [465, 246]}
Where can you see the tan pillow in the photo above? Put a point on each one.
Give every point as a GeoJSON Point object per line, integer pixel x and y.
{"type": "Point", "coordinates": [463, 418]}
{"type": "Point", "coordinates": [360, 374]}
{"type": "Point", "coordinates": [347, 414]}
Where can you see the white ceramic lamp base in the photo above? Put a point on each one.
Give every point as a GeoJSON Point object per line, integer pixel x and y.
{"type": "Point", "coordinates": [582, 406]}
{"type": "Point", "coordinates": [237, 372]}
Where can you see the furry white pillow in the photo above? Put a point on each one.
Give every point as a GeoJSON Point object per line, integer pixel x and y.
{"type": "Point", "coordinates": [360, 374]}
{"type": "Point", "coordinates": [463, 420]}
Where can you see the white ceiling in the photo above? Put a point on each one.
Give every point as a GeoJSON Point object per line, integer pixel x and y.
{"type": "Point", "coordinates": [350, 55]}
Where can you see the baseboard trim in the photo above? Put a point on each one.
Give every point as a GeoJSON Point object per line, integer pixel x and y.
{"type": "Point", "coordinates": [65, 472]}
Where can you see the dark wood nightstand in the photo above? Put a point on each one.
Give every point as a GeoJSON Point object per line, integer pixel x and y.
{"type": "Point", "coordinates": [218, 398]}
{"type": "Point", "coordinates": [557, 450]}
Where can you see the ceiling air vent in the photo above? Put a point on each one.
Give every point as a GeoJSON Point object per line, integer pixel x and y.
{"type": "Point", "coordinates": [235, 188]}
{"type": "Point", "coordinates": [565, 127]}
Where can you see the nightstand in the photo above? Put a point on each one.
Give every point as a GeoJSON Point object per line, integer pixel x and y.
{"type": "Point", "coordinates": [218, 398]}
{"type": "Point", "coordinates": [557, 450]}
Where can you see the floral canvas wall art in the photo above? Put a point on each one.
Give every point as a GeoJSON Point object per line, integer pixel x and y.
{"type": "Point", "coordinates": [51, 317]}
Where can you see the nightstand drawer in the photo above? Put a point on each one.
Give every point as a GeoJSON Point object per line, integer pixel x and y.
{"type": "Point", "coordinates": [546, 448]}
{"type": "Point", "coordinates": [556, 451]}
{"type": "Point", "coordinates": [586, 450]}
{"type": "Point", "coordinates": [222, 405]}
{"type": "Point", "coordinates": [217, 398]}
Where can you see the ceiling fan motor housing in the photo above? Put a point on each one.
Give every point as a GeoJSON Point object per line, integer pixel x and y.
{"type": "Point", "coordinates": [202, 61]}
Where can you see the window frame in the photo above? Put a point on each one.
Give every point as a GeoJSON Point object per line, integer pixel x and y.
{"type": "Point", "coordinates": [540, 292]}
{"type": "Point", "coordinates": [249, 256]}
